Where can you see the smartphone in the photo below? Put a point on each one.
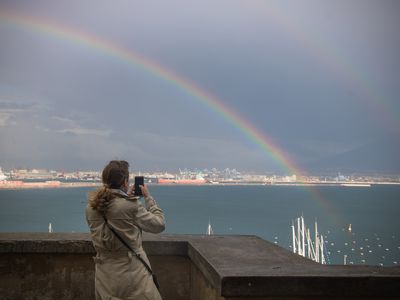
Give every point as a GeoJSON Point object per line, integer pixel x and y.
{"type": "Point", "coordinates": [139, 180]}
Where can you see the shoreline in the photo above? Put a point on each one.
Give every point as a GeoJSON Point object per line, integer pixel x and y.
{"type": "Point", "coordinates": [21, 185]}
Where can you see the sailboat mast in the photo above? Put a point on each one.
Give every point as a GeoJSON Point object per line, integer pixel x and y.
{"type": "Point", "coordinates": [209, 228]}
{"type": "Point", "coordinates": [298, 237]}
{"type": "Point", "coordinates": [322, 250]}
{"type": "Point", "coordinates": [293, 238]}
{"type": "Point", "coordinates": [303, 236]}
{"type": "Point", "coordinates": [316, 242]}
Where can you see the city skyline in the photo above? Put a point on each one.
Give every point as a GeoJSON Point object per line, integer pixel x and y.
{"type": "Point", "coordinates": [182, 172]}
{"type": "Point", "coordinates": [218, 83]}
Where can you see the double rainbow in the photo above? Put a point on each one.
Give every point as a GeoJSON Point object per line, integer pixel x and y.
{"type": "Point", "coordinates": [74, 36]}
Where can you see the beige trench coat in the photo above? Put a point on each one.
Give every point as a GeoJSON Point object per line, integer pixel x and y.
{"type": "Point", "coordinates": [118, 273]}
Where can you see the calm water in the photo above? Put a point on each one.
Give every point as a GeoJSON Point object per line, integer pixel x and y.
{"type": "Point", "coordinates": [266, 211]}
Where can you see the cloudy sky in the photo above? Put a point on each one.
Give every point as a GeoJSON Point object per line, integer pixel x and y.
{"type": "Point", "coordinates": [321, 79]}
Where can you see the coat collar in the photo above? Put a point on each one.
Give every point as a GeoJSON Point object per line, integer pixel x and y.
{"type": "Point", "coordinates": [119, 191]}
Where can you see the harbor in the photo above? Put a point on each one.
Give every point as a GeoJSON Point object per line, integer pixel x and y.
{"type": "Point", "coordinates": [343, 215]}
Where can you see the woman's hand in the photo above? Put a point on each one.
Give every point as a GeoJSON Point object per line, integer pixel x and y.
{"type": "Point", "coordinates": [143, 188]}
{"type": "Point", "coordinates": [145, 191]}
{"type": "Point", "coordinates": [147, 197]}
{"type": "Point", "coordinates": [131, 191]}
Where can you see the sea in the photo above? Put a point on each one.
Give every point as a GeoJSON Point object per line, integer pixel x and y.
{"type": "Point", "coordinates": [265, 211]}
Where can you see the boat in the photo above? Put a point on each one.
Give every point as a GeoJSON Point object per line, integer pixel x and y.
{"type": "Point", "coordinates": [356, 184]}
{"type": "Point", "coordinates": [209, 229]}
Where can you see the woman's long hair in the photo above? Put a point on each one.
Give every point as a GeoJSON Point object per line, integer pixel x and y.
{"type": "Point", "coordinates": [113, 177]}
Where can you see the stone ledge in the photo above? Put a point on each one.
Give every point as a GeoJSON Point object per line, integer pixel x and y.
{"type": "Point", "coordinates": [236, 266]}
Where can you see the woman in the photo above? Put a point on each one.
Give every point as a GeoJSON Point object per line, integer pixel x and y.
{"type": "Point", "coordinates": [119, 273]}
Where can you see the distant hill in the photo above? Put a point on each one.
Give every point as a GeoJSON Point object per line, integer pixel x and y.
{"type": "Point", "coordinates": [378, 157]}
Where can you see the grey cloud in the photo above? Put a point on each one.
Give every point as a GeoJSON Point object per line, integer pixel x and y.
{"type": "Point", "coordinates": [9, 112]}
{"type": "Point", "coordinates": [64, 120]}
{"type": "Point", "coordinates": [4, 118]}
{"type": "Point", "coordinates": [86, 131]}
{"type": "Point", "coordinates": [13, 107]}
{"type": "Point", "coordinates": [32, 147]}
{"type": "Point", "coordinates": [146, 151]}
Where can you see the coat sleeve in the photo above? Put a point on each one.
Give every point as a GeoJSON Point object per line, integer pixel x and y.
{"type": "Point", "coordinates": [151, 220]}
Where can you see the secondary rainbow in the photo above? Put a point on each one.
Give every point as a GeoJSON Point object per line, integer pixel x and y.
{"type": "Point", "coordinates": [315, 42]}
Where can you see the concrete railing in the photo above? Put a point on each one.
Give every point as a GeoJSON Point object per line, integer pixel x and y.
{"type": "Point", "coordinates": [60, 266]}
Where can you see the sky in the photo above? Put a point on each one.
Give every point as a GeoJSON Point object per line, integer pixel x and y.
{"type": "Point", "coordinates": [318, 80]}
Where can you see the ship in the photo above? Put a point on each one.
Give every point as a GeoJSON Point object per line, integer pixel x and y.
{"type": "Point", "coordinates": [356, 184]}
{"type": "Point", "coordinates": [185, 177]}
{"type": "Point", "coordinates": [195, 181]}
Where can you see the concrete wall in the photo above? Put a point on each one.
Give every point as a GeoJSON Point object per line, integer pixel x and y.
{"type": "Point", "coordinates": [71, 276]}
{"type": "Point", "coordinates": [46, 276]}
{"type": "Point", "coordinates": [60, 266]}
{"type": "Point", "coordinates": [201, 288]}
{"type": "Point", "coordinates": [174, 274]}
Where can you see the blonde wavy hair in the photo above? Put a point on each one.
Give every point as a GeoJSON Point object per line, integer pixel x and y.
{"type": "Point", "coordinates": [114, 175]}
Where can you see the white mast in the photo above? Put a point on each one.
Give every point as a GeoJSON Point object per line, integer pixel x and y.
{"type": "Point", "coordinates": [50, 228]}
{"type": "Point", "coordinates": [209, 228]}
{"type": "Point", "coordinates": [308, 243]}
{"type": "Point", "coordinates": [303, 236]}
{"type": "Point", "coordinates": [298, 237]}
{"type": "Point", "coordinates": [322, 251]}
{"type": "Point", "coordinates": [293, 238]}
{"type": "Point", "coordinates": [316, 242]}
{"type": "Point", "coordinates": [312, 254]}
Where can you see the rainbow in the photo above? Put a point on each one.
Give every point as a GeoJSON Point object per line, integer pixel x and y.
{"type": "Point", "coordinates": [74, 36]}
{"type": "Point", "coordinates": [133, 58]}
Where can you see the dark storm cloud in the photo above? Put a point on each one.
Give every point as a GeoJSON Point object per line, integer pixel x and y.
{"type": "Point", "coordinates": [255, 56]}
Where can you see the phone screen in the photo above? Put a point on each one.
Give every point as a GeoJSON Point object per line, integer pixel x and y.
{"type": "Point", "coordinates": [139, 180]}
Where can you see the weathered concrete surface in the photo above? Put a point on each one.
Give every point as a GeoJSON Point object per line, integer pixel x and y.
{"type": "Point", "coordinates": [208, 267]}
{"type": "Point", "coordinates": [60, 266]}
{"type": "Point", "coordinates": [250, 266]}
{"type": "Point", "coordinates": [173, 273]}
{"type": "Point", "coordinates": [46, 276]}
{"type": "Point", "coordinates": [201, 288]}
